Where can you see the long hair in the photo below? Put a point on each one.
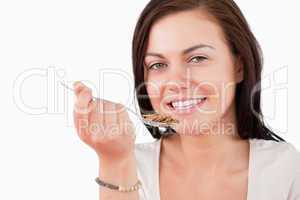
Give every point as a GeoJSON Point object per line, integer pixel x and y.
{"type": "Point", "coordinates": [242, 43]}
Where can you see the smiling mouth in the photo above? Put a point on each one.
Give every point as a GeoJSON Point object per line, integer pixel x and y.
{"type": "Point", "coordinates": [187, 105]}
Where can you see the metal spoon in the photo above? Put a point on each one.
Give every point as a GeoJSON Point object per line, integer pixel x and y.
{"type": "Point", "coordinates": [147, 122]}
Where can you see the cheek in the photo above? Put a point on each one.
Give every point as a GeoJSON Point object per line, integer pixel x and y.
{"type": "Point", "coordinates": [153, 84]}
{"type": "Point", "coordinates": [227, 96]}
{"type": "Point", "coordinates": [219, 84]}
{"type": "Point", "coordinates": [224, 98]}
{"type": "Point", "coordinates": [227, 89]}
{"type": "Point", "coordinates": [154, 92]}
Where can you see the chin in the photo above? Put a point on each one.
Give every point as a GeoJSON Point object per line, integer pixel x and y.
{"type": "Point", "coordinates": [199, 124]}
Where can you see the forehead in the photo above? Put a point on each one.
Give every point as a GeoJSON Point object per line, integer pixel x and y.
{"type": "Point", "coordinates": [184, 29]}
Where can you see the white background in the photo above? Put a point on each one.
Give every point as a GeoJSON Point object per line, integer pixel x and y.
{"type": "Point", "coordinates": [41, 155]}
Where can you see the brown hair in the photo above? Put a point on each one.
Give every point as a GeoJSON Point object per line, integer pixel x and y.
{"type": "Point", "coordinates": [241, 42]}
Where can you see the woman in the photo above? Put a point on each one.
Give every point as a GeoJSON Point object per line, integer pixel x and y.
{"type": "Point", "coordinates": [197, 61]}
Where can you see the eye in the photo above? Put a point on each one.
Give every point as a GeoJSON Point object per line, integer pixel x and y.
{"type": "Point", "coordinates": [156, 66]}
{"type": "Point", "coordinates": [198, 59]}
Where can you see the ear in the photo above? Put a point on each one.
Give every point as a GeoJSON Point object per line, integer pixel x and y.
{"type": "Point", "coordinates": [239, 70]}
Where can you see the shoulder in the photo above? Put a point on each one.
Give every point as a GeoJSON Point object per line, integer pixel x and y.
{"type": "Point", "coordinates": [281, 153]}
{"type": "Point", "coordinates": [276, 165]}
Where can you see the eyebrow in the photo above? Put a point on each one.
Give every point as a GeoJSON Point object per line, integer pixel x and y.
{"type": "Point", "coordinates": [186, 51]}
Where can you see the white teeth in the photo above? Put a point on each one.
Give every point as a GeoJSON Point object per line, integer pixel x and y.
{"type": "Point", "coordinates": [186, 104]}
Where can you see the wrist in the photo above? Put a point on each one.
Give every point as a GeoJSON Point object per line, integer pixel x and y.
{"type": "Point", "coordinates": [117, 164]}
{"type": "Point", "coordinates": [116, 160]}
{"type": "Point", "coordinates": [122, 171]}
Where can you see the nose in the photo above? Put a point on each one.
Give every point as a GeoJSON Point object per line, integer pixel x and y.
{"type": "Point", "coordinates": [176, 87]}
{"type": "Point", "coordinates": [178, 79]}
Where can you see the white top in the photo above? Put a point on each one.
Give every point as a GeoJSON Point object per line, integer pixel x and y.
{"type": "Point", "coordinates": [274, 170]}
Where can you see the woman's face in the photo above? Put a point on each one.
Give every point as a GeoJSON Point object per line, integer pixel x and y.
{"type": "Point", "coordinates": [190, 72]}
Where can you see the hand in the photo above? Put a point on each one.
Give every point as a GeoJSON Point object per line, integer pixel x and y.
{"type": "Point", "coordinates": [103, 125]}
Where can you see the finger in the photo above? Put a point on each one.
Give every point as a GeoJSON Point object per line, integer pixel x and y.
{"type": "Point", "coordinates": [81, 121]}
{"type": "Point", "coordinates": [78, 87]}
{"type": "Point", "coordinates": [96, 120]}
{"type": "Point", "coordinates": [124, 121]}
{"type": "Point", "coordinates": [84, 97]}
{"type": "Point", "coordinates": [110, 118]}
{"type": "Point", "coordinates": [119, 109]}
{"type": "Point", "coordinates": [122, 113]}
{"type": "Point", "coordinates": [82, 108]}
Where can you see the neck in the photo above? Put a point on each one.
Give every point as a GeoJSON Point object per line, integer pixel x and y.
{"type": "Point", "coordinates": [207, 150]}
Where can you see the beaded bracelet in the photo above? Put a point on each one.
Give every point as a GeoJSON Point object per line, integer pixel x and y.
{"type": "Point", "coordinates": [119, 187]}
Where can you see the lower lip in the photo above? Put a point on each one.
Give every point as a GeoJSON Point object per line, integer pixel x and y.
{"type": "Point", "coordinates": [189, 109]}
